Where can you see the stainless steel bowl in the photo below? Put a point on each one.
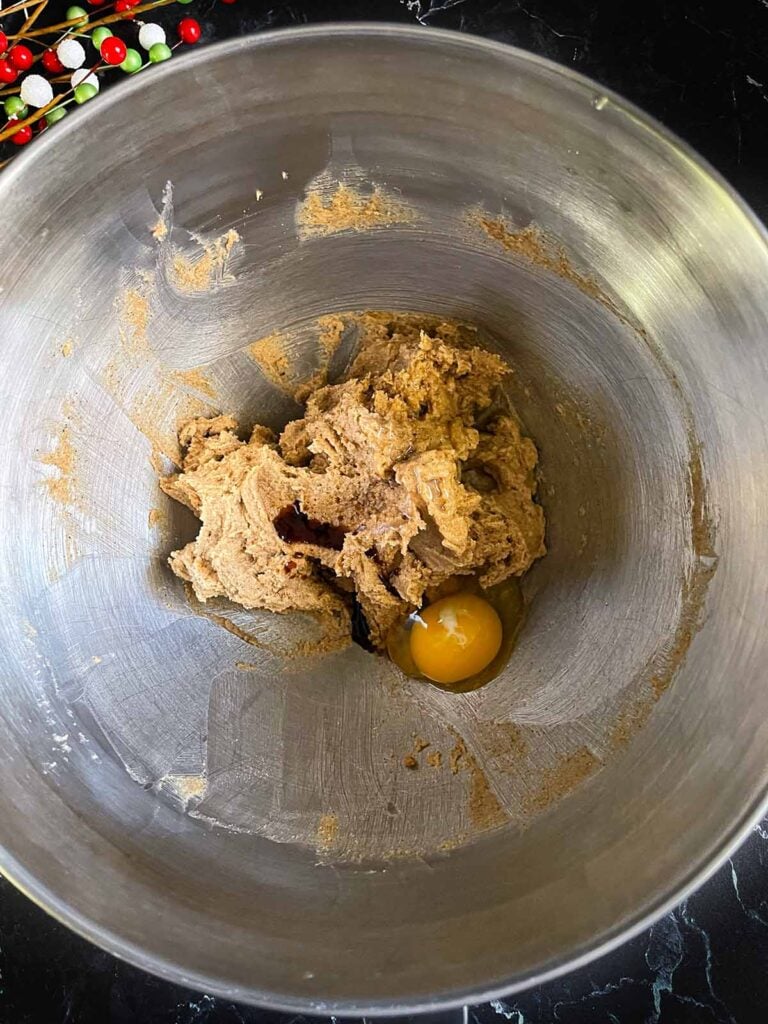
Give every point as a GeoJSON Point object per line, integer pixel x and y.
{"type": "Point", "coordinates": [165, 789]}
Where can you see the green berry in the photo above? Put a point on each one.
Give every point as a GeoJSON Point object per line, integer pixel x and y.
{"type": "Point", "coordinates": [159, 52]}
{"type": "Point", "coordinates": [132, 62]}
{"type": "Point", "coordinates": [184, 1]}
{"type": "Point", "coordinates": [99, 35]}
{"type": "Point", "coordinates": [77, 14]}
{"type": "Point", "coordinates": [56, 114]}
{"type": "Point", "coordinates": [84, 92]}
{"type": "Point", "coordinates": [15, 107]}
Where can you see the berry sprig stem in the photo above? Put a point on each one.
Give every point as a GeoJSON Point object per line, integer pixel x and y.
{"type": "Point", "coordinates": [23, 5]}
{"type": "Point", "coordinates": [106, 20]}
{"type": "Point", "coordinates": [32, 18]}
{"type": "Point", "coordinates": [14, 125]}
{"type": "Point", "coordinates": [33, 95]}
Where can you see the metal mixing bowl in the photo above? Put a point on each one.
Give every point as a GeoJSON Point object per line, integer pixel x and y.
{"type": "Point", "coordinates": [163, 786]}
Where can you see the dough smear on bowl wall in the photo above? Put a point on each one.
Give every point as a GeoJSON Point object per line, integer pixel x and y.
{"type": "Point", "coordinates": [206, 774]}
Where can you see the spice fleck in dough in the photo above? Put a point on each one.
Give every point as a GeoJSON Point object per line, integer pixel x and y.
{"type": "Point", "coordinates": [401, 476]}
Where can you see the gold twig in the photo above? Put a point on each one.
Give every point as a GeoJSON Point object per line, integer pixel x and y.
{"type": "Point", "coordinates": [32, 18]}
{"type": "Point", "coordinates": [11, 128]}
{"type": "Point", "coordinates": [108, 20]}
{"type": "Point", "coordinates": [22, 5]}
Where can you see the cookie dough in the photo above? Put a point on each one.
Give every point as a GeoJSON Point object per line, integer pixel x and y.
{"type": "Point", "coordinates": [406, 473]}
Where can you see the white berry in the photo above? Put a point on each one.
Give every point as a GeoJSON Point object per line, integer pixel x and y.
{"type": "Point", "coordinates": [36, 91]}
{"type": "Point", "coordinates": [83, 75]}
{"type": "Point", "coordinates": [70, 53]}
{"type": "Point", "coordinates": [151, 33]}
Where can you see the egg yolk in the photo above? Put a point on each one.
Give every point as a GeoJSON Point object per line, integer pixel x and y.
{"type": "Point", "coordinates": [455, 638]}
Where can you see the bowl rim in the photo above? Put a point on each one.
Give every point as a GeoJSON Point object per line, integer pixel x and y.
{"type": "Point", "coordinates": [710, 861]}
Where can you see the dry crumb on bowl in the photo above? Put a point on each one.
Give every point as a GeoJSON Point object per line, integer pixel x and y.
{"type": "Point", "coordinates": [344, 208]}
{"type": "Point", "coordinates": [63, 459]}
{"type": "Point", "coordinates": [204, 268]}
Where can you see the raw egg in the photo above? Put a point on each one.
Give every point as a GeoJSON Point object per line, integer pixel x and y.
{"type": "Point", "coordinates": [455, 638]}
{"type": "Point", "coordinates": [505, 599]}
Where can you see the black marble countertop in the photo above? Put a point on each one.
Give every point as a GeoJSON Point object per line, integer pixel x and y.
{"type": "Point", "coordinates": [701, 67]}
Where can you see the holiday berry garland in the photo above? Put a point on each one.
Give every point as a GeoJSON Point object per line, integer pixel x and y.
{"type": "Point", "coordinates": [43, 70]}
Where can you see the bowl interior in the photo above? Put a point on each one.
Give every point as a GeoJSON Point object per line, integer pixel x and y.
{"type": "Point", "coordinates": [221, 813]}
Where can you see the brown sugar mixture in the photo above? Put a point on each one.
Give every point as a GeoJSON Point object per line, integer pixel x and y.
{"type": "Point", "coordinates": [403, 477]}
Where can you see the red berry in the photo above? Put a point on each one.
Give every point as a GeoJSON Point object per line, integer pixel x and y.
{"type": "Point", "coordinates": [229, 1]}
{"type": "Point", "coordinates": [3, 42]}
{"type": "Point", "coordinates": [113, 50]}
{"type": "Point", "coordinates": [8, 72]}
{"type": "Point", "coordinates": [51, 62]}
{"type": "Point", "coordinates": [21, 57]}
{"type": "Point", "coordinates": [22, 136]}
{"type": "Point", "coordinates": [125, 5]}
{"type": "Point", "coordinates": [189, 30]}
{"type": "Point", "coordinates": [96, 3]}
